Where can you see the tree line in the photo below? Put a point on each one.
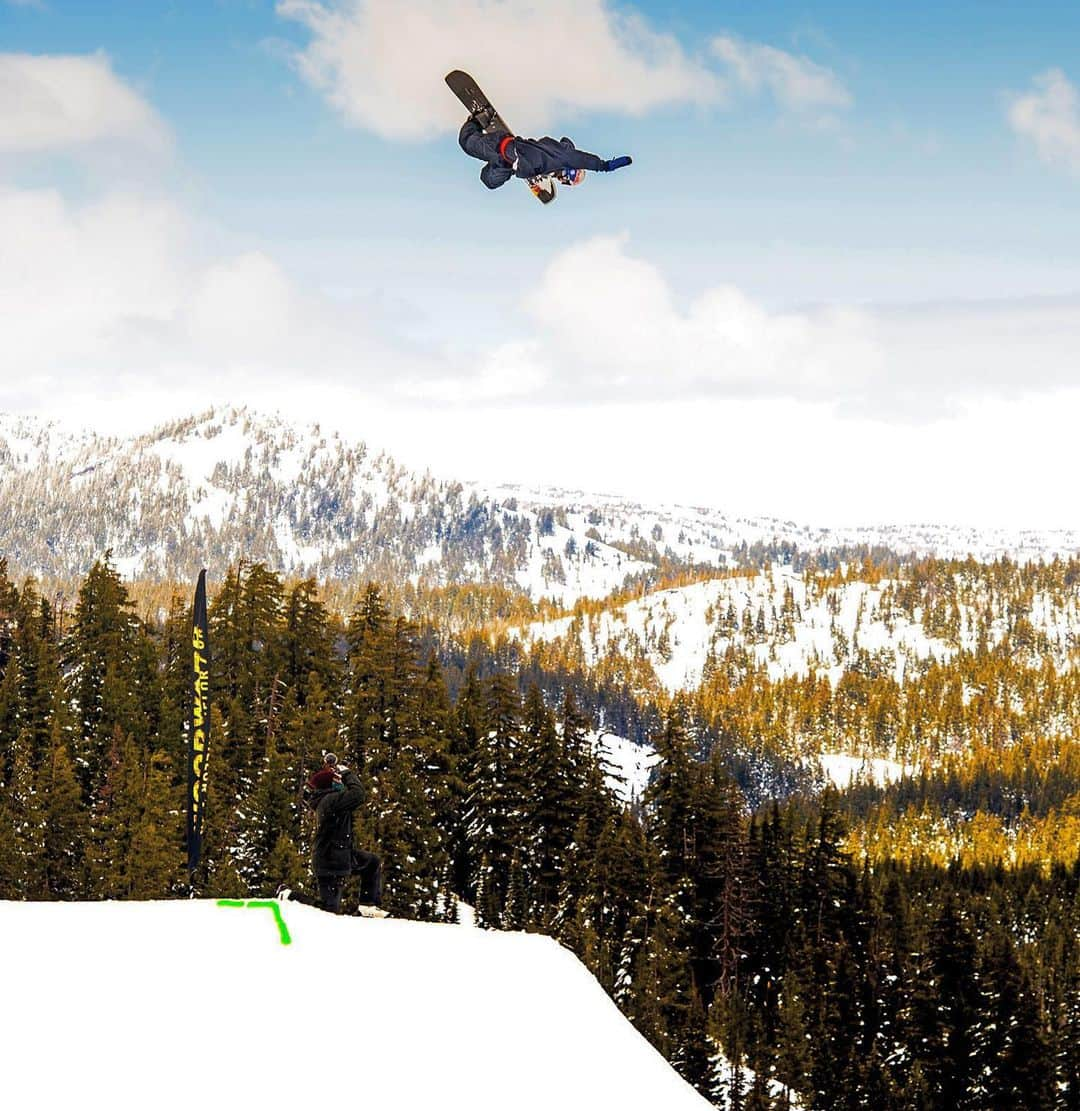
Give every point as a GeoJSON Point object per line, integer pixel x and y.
{"type": "Point", "coordinates": [770, 966]}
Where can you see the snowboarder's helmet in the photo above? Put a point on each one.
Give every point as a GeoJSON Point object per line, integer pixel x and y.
{"type": "Point", "coordinates": [571, 177]}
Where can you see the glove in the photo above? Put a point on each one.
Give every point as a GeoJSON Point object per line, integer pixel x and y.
{"type": "Point", "coordinates": [617, 163]}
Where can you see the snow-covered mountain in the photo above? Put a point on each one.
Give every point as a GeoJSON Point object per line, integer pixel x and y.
{"type": "Point", "coordinates": [191, 1003]}
{"type": "Point", "coordinates": [793, 623]}
{"type": "Point", "coordinates": [780, 624]}
{"type": "Point", "coordinates": [229, 483]}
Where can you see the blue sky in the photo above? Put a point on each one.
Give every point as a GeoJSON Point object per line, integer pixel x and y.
{"type": "Point", "coordinates": [848, 222]}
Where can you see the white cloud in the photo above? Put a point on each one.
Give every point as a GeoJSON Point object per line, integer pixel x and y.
{"type": "Point", "coordinates": [794, 81]}
{"type": "Point", "coordinates": [606, 326]}
{"type": "Point", "coordinates": [122, 292]}
{"type": "Point", "coordinates": [997, 462]}
{"type": "Point", "coordinates": [73, 278]}
{"type": "Point", "coordinates": [53, 102]}
{"type": "Point", "coordinates": [381, 62]}
{"type": "Point", "coordinates": [1049, 116]}
{"type": "Point", "coordinates": [103, 297]}
{"type": "Point", "coordinates": [106, 297]}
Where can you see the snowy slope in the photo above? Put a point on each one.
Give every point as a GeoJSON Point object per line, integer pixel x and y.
{"type": "Point", "coordinates": [230, 483]}
{"type": "Point", "coordinates": [804, 626]}
{"type": "Point", "coordinates": [190, 1004]}
{"type": "Point", "coordinates": [627, 764]}
{"type": "Point", "coordinates": [708, 535]}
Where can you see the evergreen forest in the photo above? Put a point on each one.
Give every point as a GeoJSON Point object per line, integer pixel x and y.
{"type": "Point", "coordinates": [911, 944]}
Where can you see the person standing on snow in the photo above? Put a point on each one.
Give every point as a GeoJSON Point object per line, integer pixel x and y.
{"type": "Point", "coordinates": [335, 796]}
{"type": "Point", "coordinates": [510, 156]}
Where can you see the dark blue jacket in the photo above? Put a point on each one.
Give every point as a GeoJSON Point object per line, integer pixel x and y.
{"type": "Point", "coordinates": [524, 157]}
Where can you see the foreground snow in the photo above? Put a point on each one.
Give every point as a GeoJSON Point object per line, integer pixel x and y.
{"type": "Point", "coordinates": [181, 1004]}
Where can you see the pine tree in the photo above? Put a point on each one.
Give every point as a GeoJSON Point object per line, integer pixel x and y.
{"type": "Point", "coordinates": [371, 687]}
{"type": "Point", "coordinates": [669, 798]}
{"type": "Point", "coordinates": [548, 805]}
{"type": "Point", "coordinates": [247, 639]}
{"type": "Point", "coordinates": [22, 828]}
{"type": "Point", "coordinates": [175, 649]}
{"type": "Point", "coordinates": [34, 647]}
{"type": "Point", "coordinates": [110, 669]}
{"type": "Point", "coordinates": [663, 1004]}
{"type": "Point", "coordinates": [116, 816]}
{"type": "Point", "coordinates": [1012, 1049]}
{"type": "Point", "coordinates": [466, 728]}
{"type": "Point", "coordinates": [218, 873]}
{"type": "Point", "coordinates": [155, 867]}
{"type": "Point", "coordinates": [309, 643]}
{"type": "Point", "coordinates": [397, 727]}
{"type": "Point", "coordinates": [269, 813]}
{"type": "Point", "coordinates": [67, 824]}
{"type": "Point", "coordinates": [794, 1052]}
{"type": "Point", "coordinates": [496, 823]}
{"type": "Point", "coordinates": [11, 716]}
{"type": "Point", "coordinates": [721, 911]}
{"type": "Point", "coordinates": [285, 865]}
{"type": "Point", "coordinates": [951, 1015]}
{"type": "Point", "coordinates": [516, 914]}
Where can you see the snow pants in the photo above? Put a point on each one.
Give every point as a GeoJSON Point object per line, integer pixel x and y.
{"type": "Point", "coordinates": [485, 147]}
{"type": "Point", "coordinates": [368, 866]}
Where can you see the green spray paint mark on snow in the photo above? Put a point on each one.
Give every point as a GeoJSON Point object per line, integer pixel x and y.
{"type": "Point", "coordinates": [264, 904]}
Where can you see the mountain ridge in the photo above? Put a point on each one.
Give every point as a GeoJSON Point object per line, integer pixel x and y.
{"type": "Point", "coordinates": [234, 483]}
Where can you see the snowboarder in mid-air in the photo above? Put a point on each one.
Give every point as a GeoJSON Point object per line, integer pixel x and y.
{"type": "Point", "coordinates": [510, 156]}
{"type": "Point", "coordinates": [540, 162]}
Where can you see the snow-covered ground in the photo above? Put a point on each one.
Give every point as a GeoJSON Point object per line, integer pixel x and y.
{"type": "Point", "coordinates": [626, 764]}
{"type": "Point", "coordinates": [842, 770]}
{"type": "Point", "coordinates": [804, 628]}
{"type": "Point", "coordinates": [189, 1004]}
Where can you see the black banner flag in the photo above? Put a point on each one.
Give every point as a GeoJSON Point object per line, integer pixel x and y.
{"type": "Point", "coordinates": [199, 735]}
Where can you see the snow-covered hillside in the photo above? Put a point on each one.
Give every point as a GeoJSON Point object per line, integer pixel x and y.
{"type": "Point", "coordinates": [705, 534]}
{"type": "Point", "coordinates": [232, 483]}
{"type": "Point", "coordinates": [792, 624]}
{"type": "Point", "coordinates": [627, 765]}
{"type": "Point", "coordinates": [191, 1004]}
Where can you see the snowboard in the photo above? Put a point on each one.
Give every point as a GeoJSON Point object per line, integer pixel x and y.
{"type": "Point", "coordinates": [483, 111]}
{"type": "Point", "coordinates": [366, 911]}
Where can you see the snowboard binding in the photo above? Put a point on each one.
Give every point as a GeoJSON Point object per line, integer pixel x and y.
{"type": "Point", "coordinates": [543, 188]}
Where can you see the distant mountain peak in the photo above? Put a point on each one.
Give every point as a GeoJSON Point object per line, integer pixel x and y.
{"type": "Point", "coordinates": [232, 482]}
